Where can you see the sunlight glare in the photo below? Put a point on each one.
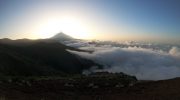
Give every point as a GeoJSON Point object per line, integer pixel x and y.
{"type": "Point", "coordinates": [67, 25]}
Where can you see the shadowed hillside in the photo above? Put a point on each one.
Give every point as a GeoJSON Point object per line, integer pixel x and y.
{"type": "Point", "coordinates": [39, 57]}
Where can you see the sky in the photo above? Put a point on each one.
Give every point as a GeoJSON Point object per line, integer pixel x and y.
{"type": "Point", "coordinates": [144, 20]}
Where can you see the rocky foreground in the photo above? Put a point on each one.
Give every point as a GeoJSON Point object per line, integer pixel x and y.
{"type": "Point", "coordinates": [98, 86]}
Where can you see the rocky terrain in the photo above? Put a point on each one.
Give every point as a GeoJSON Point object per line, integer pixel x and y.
{"type": "Point", "coordinates": [101, 86]}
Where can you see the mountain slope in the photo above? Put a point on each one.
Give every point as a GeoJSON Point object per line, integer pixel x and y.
{"type": "Point", "coordinates": [39, 57]}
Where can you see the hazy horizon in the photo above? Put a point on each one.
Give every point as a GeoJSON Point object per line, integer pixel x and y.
{"type": "Point", "coordinates": [130, 20]}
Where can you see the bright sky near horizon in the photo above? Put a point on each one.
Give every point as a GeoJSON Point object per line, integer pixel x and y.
{"type": "Point", "coordinates": [91, 19]}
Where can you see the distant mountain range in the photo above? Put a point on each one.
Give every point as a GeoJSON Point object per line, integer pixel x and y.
{"type": "Point", "coordinates": [25, 57]}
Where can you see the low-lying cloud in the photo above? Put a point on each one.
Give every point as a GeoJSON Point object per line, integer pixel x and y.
{"type": "Point", "coordinates": [175, 51]}
{"type": "Point", "coordinates": [146, 64]}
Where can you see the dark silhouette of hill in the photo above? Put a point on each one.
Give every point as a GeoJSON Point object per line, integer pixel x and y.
{"type": "Point", "coordinates": [62, 37]}
{"type": "Point", "coordinates": [39, 57]}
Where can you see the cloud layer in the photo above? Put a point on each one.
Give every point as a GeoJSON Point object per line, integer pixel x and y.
{"type": "Point", "coordinates": [144, 63]}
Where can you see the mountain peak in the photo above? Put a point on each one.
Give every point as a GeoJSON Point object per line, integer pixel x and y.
{"type": "Point", "coordinates": [61, 36]}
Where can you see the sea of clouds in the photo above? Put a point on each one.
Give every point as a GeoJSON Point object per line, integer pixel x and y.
{"type": "Point", "coordinates": [145, 61]}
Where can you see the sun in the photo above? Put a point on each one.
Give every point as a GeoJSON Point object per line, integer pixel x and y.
{"type": "Point", "coordinates": [68, 25]}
